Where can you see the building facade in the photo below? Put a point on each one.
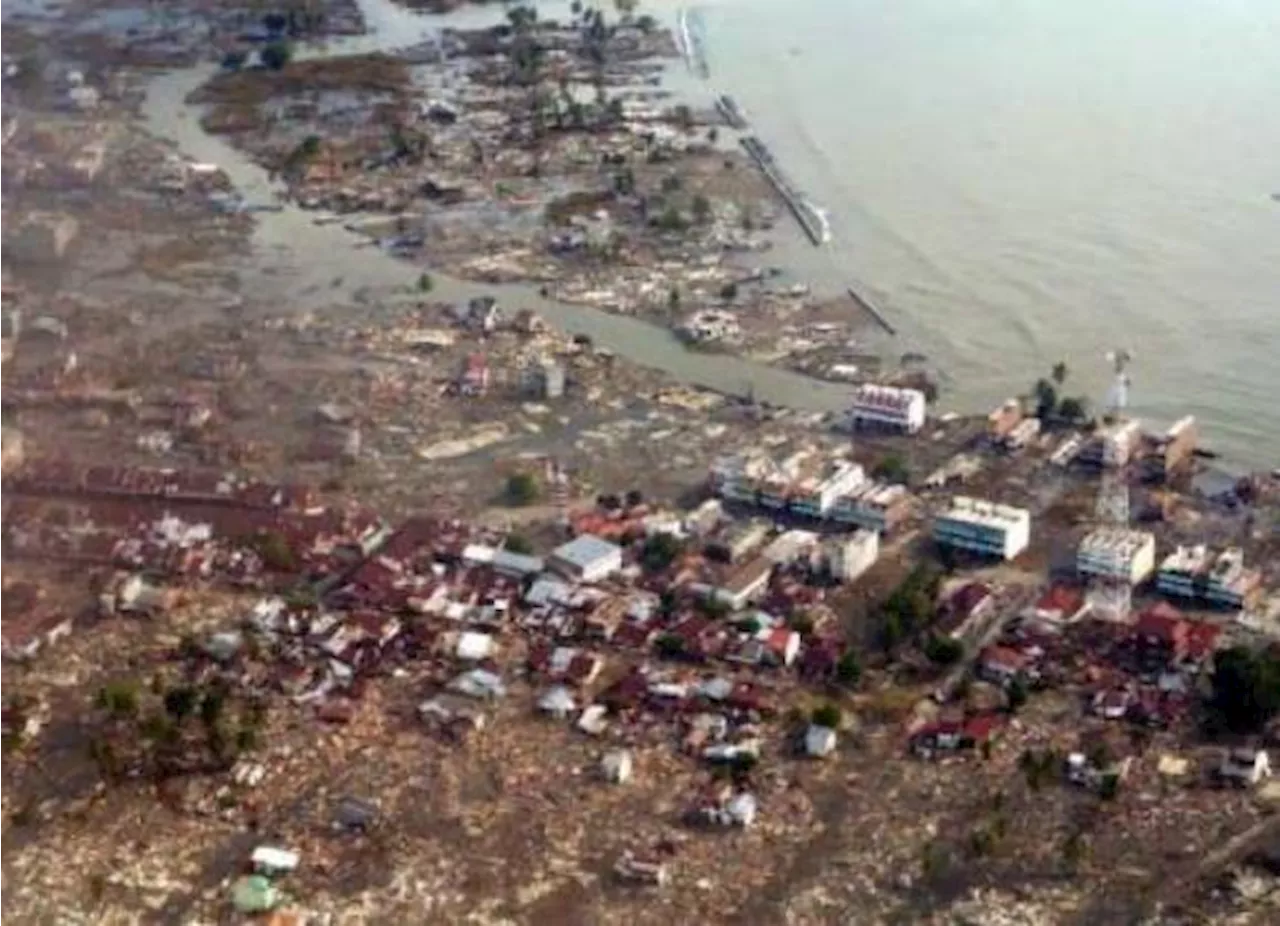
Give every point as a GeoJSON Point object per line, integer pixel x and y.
{"type": "Point", "coordinates": [848, 558]}
{"type": "Point", "coordinates": [982, 527]}
{"type": "Point", "coordinates": [1118, 554]}
{"type": "Point", "coordinates": [1219, 579]}
{"type": "Point", "coordinates": [887, 408]}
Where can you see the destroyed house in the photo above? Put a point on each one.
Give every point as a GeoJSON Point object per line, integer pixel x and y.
{"type": "Point", "coordinates": [25, 634]}
{"type": "Point", "coordinates": [954, 736]}
{"type": "Point", "coordinates": [567, 665]}
{"type": "Point", "coordinates": [966, 604]}
{"type": "Point", "coordinates": [1161, 636]}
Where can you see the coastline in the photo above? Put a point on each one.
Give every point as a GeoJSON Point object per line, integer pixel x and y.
{"type": "Point", "coordinates": [168, 115]}
{"type": "Point", "coordinates": [662, 349]}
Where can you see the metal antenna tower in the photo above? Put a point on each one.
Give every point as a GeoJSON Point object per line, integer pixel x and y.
{"type": "Point", "coordinates": [1112, 596]}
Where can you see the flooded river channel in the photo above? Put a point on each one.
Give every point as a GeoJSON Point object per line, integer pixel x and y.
{"type": "Point", "coordinates": [312, 258]}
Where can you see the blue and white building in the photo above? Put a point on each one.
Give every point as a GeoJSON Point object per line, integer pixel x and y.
{"type": "Point", "coordinates": [1118, 554]}
{"type": "Point", "coordinates": [983, 527]}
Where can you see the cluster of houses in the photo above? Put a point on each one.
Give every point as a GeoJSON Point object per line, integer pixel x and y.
{"type": "Point", "coordinates": [167, 525]}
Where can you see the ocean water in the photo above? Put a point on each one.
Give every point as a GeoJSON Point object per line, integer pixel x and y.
{"type": "Point", "coordinates": [1022, 181]}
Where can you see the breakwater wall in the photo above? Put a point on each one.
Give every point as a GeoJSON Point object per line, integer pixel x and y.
{"type": "Point", "coordinates": [866, 305]}
{"type": "Point", "coordinates": [809, 221]}
{"type": "Point", "coordinates": [689, 30]}
{"type": "Point", "coordinates": [732, 114]}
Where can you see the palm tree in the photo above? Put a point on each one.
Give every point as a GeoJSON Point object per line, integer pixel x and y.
{"type": "Point", "coordinates": [1060, 372]}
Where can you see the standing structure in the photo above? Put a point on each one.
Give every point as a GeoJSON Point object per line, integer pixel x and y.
{"type": "Point", "coordinates": [983, 527]}
{"type": "Point", "coordinates": [887, 408]}
{"type": "Point", "coordinates": [1111, 594]}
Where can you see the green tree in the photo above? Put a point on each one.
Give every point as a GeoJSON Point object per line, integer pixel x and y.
{"type": "Point", "coordinates": [828, 715]}
{"type": "Point", "coordinates": [516, 543]}
{"type": "Point", "coordinates": [670, 219]}
{"type": "Point", "coordinates": [1246, 689]}
{"type": "Point", "coordinates": [943, 651]}
{"type": "Point", "coordinates": [801, 623]}
{"type": "Point", "coordinates": [276, 55]}
{"type": "Point", "coordinates": [849, 669]}
{"type": "Point", "coordinates": [180, 703]}
{"type": "Point", "coordinates": [701, 209]}
{"type": "Point", "coordinates": [729, 292]}
{"type": "Point", "coordinates": [212, 706]}
{"type": "Point", "coordinates": [1017, 695]}
{"type": "Point", "coordinates": [1074, 409]}
{"type": "Point", "coordinates": [119, 698]}
{"type": "Point", "coordinates": [522, 489]}
{"type": "Point", "coordinates": [1059, 374]}
{"type": "Point", "coordinates": [1046, 398]}
{"type": "Point", "coordinates": [669, 646]}
{"type": "Point", "coordinates": [626, 7]}
{"type": "Point", "coordinates": [893, 468]}
{"type": "Point", "coordinates": [660, 551]}
{"type": "Point", "coordinates": [425, 283]}
{"type": "Point", "coordinates": [275, 551]}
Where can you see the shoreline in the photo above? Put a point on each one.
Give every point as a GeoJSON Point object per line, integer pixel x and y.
{"type": "Point", "coordinates": [778, 384]}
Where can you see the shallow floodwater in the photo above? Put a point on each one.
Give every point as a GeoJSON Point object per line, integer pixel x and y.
{"type": "Point", "coordinates": [312, 259]}
{"type": "Point", "coordinates": [1020, 181]}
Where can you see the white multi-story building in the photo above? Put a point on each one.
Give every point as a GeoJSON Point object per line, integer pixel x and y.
{"type": "Point", "coordinates": [877, 506]}
{"type": "Point", "coordinates": [849, 557]}
{"type": "Point", "coordinates": [1114, 445]}
{"type": "Point", "coordinates": [814, 494]}
{"type": "Point", "coordinates": [887, 408]}
{"type": "Point", "coordinates": [804, 483]}
{"type": "Point", "coordinates": [1218, 578]}
{"type": "Point", "coordinates": [983, 527]}
{"type": "Point", "coordinates": [1117, 553]}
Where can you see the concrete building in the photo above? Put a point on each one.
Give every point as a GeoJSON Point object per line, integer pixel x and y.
{"type": "Point", "coordinates": [1218, 579]}
{"type": "Point", "coordinates": [544, 379]}
{"type": "Point", "coordinates": [1118, 553]}
{"type": "Point", "coordinates": [983, 527]}
{"type": "Point", "coordinates": [805, 483]}
{"type": "Point", "coordinates": [1004, 419]}
{"type": "Point", "coordinates": [1022, 434]}
{"type": "Point", "coordinates": [847, 558]}
{"type": "Point", "coordinates": [1174, 449]}
{"type": "Point", "coordinates": [1113, 445]}
{"type": "Point", "coordinates": [586, 558]}
{"type": "Point", "coordinates": [877, 506]}
{"type": "Point", "coordinates": [887, 408]}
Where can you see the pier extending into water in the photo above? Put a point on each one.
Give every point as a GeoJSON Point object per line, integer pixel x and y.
{"type": "Point", "coordinates": [732, 114]}
{"type": "Point", "coordinates": [865, 304]}
{"type": "Point", "coordinates": [810, 222]}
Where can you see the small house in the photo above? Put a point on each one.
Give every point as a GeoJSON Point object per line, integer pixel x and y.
{"type": "Point", "coordinates": [1243, 767]}
{"type": "Point", "coordinates": [819, 741]}
{"type": "Point", "coordinates": [271, 861]}
{"type": "Point", "coordinates": [586, 558]}
{"type": "Point", "coordinates": [354, 815]}
{"type": "Point", "coordinates": [641, 870]}
{"type": "Point", "coordinates": [473, 647]}
{"type": "Point", "coordinates": [616, 766]}
{"type": "Point", "coordinates": [557, 702]}
{"type": "Point", "coordinates": [473, 381]}
{"type": "Point", "coordinates": [480, 684]}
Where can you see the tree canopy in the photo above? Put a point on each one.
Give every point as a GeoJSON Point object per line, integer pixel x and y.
{"type": "Point", "coordinates": [1246, 689]}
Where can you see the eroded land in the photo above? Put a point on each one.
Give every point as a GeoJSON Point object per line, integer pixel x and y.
{"type": "Point", "coordinates": [292, 448]}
